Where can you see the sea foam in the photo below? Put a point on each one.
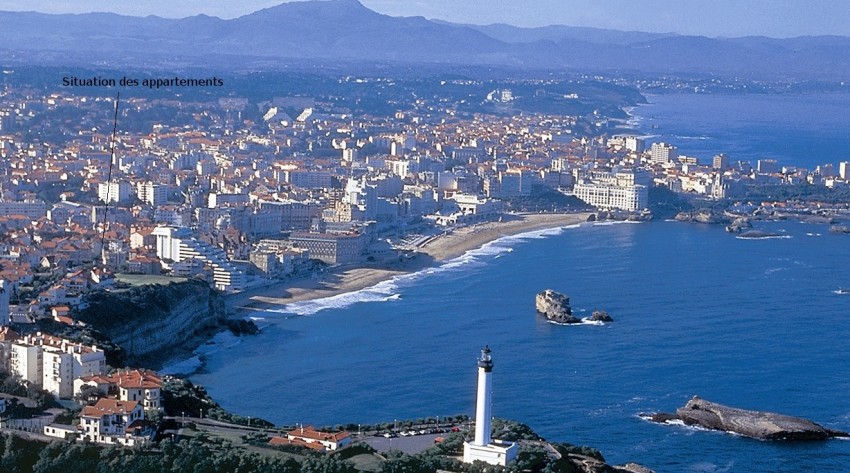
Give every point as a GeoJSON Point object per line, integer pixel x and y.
{"type": "Point", "coordinates": [386, 291]}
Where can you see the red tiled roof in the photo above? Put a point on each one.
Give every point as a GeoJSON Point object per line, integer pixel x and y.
{"type": "Point", "coordinates": [109, 407]}
{"type": "Point", "coordinates": [297, 442]}
{"type": "Point", "coordinates": [310, 433]}
{"type": "Point", "coordinates": [136, 379]}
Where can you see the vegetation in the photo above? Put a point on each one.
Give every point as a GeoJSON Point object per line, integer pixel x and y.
{"type": "Point", "coordinates": [546, 199]}
{"type": "Point", "coordinates": [797, 193]}
{"type": "Point", "coordinates": [115, 355]}
{"type": "Point", "coordinates": [109, 311]}
{"type": "Point", "coordinates": [14, 386]}
{"type": "Point", "coordinates": [512, 430]}
{"type": "Point", "coordinates": [18, 455]}
{"type": "Point", "coordinates": [203, 453]}
{"type": "Point", "coordinates": [665, 204]}
{"type": "Point", "coordinates": [180, 397]}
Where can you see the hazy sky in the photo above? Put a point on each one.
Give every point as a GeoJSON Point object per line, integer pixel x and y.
{"type": "Point", "coordinates": [776, 18]}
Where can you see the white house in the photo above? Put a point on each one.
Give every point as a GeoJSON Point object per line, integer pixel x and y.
{"type": "Point", "coordinates": [111, 421]}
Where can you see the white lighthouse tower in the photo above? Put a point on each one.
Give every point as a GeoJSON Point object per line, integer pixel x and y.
{"type": "Point", "coordinates": [494, 452]}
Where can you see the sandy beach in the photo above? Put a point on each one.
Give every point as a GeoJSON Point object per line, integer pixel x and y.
{"type": "Point", "coordinates": [350, 278]}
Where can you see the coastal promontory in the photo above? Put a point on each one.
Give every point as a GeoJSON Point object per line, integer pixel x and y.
{"type": "Point", "coordinates": [754, 424]}
{"type": "Point", "coordinates": [154, 323]}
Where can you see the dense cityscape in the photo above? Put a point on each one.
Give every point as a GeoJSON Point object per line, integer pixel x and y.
{"type": "Point", "coordinates": [226, 192]}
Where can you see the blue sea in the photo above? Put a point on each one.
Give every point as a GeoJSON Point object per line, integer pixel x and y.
{"type": "Point", "coordinates": [796, 130]}
{"type": "Point", "coordinates": [754, 324]}
{"type": "Point", "coordinates": [748, 323]}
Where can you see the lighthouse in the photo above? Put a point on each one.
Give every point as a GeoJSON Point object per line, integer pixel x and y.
{"type": "Point", "coordinates": [482, 406]}
{"type": "Point", "coordinates": [482, 447]}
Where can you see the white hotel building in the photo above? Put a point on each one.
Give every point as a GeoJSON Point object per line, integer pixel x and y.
{"type": "Point", "coordinates": [617, 190]}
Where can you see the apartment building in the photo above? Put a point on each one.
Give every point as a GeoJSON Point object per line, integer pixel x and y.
{"type": "Point", "coordinates": [54, 363]}
{"type": "Point", "coordinates": [177, 245]}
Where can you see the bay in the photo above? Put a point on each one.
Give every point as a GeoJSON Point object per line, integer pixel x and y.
{"type": "Point", "coordinates": [749, 323]}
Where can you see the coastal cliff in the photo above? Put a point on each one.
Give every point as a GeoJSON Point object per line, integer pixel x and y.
{"type": "Point", "coordinates": [155, 323]}
{"type": "Point", "coordinates": [754, 424]}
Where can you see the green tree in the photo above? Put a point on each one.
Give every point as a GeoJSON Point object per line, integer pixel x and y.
{"type": "Point", "coordinates": [327, 464]}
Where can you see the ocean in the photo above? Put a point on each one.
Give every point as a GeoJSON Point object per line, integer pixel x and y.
{"type": "Point", "coordinates": [796, 130]}
{"type": "Point", "coordinates": [748, 323]}
{"type": "Point", "coordinates": [755, 324]}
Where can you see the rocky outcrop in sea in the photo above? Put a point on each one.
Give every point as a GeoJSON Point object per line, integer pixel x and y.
{"type": "Point", "coordinates": [600, 316]}
{"type": "Point", "coordinates": [754, 424]}
{"type": "Point", "coordinates": [756, 234]}
{"type": "Point", "coordinates": [703, 216]}
{"type": "Point", "coordinates": [555, 306]}
{"type": "Point", "coordinates": [738, 225]}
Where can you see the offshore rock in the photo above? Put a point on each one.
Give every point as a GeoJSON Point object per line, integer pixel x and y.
{"type": "Point", "coordinates": [702, 216]}
{"type": "Point", "coordinates": [738, 225]}
{"type": "Point", "coordinates": [555, 306]}
{"type": "Point", "coordinates": [756, 234]}
{"type": "Point", "coordinates": [632, 468]}
{"type": "Point", "coordinates": [754, 424]}
{"type": "Point", "coordinates": [625, 216]}
{"type": "Point", "coordinates": [839, 229]}
{"type": "Point", "coordinates": [600, 316]}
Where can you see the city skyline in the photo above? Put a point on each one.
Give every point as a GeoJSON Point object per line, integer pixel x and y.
{"type": "Point", "coordinates": [725, 18]}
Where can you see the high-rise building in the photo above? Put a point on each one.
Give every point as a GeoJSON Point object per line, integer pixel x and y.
{"type": "Point", "coordinates": [152, 194]}
{"type": "Point", "coordinates": [767, 166]}
{"type": "Point", "coordinates": [844, 169]}
{"type": "Point", "coordinates": [635, 144]}
{"type": "Point", "coordinates": [721, 162]}
{"type": "Point", "coordinates": [114, 191]}
{"type": "Point", "coordinates": [54, 363]}
{"type": "Point", "coordinates": [483, 448]}
{"type": "Point", "coordinates": [662, 153]}
{"type": "Point", "coordinates": [825, 170]}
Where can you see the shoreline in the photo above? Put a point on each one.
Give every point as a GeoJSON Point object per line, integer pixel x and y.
{"type": "Point", "coordinates": [354, 277]}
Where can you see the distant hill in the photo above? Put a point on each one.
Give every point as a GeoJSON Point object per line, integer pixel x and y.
{"type": "Point", "coordinates": [336, 30]}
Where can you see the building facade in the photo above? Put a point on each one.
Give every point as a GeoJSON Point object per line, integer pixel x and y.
{"type": "Point", "coordinates": [330, 247]}
{"type": "Point", "coordinates": [54, 363]}
{"type": "Point", "coordinates": [662, 153]}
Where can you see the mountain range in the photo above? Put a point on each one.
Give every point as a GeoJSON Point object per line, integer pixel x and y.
{"type": "Point", "coordinates": [345, 30]}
